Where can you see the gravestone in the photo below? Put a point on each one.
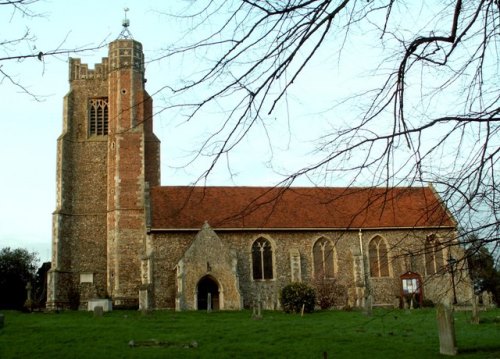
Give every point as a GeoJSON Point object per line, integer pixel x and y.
{"type": "Point", "coordinates": [209, 302]}
{"type": "Point", "coordinates": [98, 311]}
{"type": "Point", "coordinates": [368, 305]}
{"type": "Point", "coordinates": [28, 304]}
{"type": "Point", "coordinates": [446, 329]}
{"type": "Point", "coordinates": [257, 310]}
{"type": "Point", "coordinates": [28, 291]}
{"type": "Point", "coordinates": [488, 300]}
{"type": "Point", "coordinates": [396, 303]}
{"type": "Point", "coordinates": [475, 310]}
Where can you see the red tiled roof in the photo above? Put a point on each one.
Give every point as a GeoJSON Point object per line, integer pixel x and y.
{"type": "Point", "coordinates": [175, 207]}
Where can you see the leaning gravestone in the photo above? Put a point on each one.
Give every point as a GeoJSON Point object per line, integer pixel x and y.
{"type": "Point", "coordinates": [446, 329]}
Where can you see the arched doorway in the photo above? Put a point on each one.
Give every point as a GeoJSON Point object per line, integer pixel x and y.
{"type": "Point", "coordinates": [207, 285]}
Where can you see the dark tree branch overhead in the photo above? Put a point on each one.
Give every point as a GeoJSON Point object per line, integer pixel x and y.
{"type": "Point", "coordinates": [432, 115]}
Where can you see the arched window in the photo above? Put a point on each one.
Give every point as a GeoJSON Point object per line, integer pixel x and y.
{"type": "Point", "coordinates": [379, 263]}
{"type": "Point", "coordinates": [98, 116]}
{"type": "Point", "coordinates": [262, 259]}
{"type": "Point", "coordinates": [324, 259]}
{"type": "Point", "coordinates": [434, 256]}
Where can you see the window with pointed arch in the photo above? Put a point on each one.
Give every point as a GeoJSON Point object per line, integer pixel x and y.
{"type": "Point", "coordinates": [379, 263]}
{"type": "Point", "coordinates": [262, 259]}
{"type": "Point", "coordinates": [98, 116]}
{"type": "Point", "coordinates": [324, 259]}
{"type": "Point", "coordinates": [434, 255]}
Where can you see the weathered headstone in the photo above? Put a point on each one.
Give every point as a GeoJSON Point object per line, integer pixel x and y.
{"type": "Point", "coordinates": [28, 304]}
{"type": "Point", "coordinates": [446, 329]}
{"type": "Point", "coordinates": [98, 311]}
{"type": "Point", "coordinates": [488, 300]}
{"type": "Point", "coordinates": [475, 310]}
{"type": "Point", "coordinates": [209, 302]}
{"type": "Point", "coordinates": [256, 314]}
{"type": "Point", "coordinates": [368, 305]}
{"type": "Point", "coordinates": [28, 291]}
{"type": "Point", "coordinates": [396, 303]}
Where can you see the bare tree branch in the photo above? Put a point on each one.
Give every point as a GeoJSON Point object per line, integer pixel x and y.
{"type": "Point", "coordinates": [395, 133]}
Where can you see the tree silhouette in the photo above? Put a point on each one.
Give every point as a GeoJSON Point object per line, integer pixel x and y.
{"type": "Point", "coordinates": [17, 269]}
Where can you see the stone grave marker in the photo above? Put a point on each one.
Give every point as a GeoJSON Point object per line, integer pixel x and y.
{"type": "Point", "coordinates": [446, 330]}
{"type": "Point", "coordinates": [475, 310]}
{"type": "Point", "coordinates": [209, 302]}
{"type": "Point", "coordinates": [368, 305]}
{"type": "Point", "coordinates": [257, 310]}
{"type": "Point", "coordinates": [28, 304]}
{"type": "Point", "coordinates": [98, 311]}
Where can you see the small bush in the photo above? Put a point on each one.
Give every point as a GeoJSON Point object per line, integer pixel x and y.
{"type": "Point", "coordinates": [329, 293]}
{"type": "Point", "coordinates": [297, 295]}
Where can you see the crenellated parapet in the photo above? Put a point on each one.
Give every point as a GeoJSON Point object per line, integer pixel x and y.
{"type": "Point", "coordinates": [79, 71]}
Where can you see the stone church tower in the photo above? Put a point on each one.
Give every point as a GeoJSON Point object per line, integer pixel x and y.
{"type": "Point", "coordinates": [106, 157]}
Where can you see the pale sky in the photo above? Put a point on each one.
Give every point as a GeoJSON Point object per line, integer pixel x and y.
{"type": "Point", "coordinates": [30, 128]}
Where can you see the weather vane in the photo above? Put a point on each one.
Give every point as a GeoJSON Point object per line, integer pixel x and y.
{"type": "Point", "coordinates": [125, 34]}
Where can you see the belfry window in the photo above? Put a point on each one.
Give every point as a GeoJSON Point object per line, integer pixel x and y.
{"type": "Point", "coordinates": [262, 259]}
{"type": "Point", "coordinates": [98, 116]}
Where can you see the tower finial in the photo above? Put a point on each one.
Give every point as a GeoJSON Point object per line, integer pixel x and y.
{"type": "Point", "coordinates": [125, 34]}
{"type": "Point", "coordinates": [126, 22]}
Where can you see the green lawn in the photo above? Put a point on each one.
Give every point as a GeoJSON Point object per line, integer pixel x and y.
{"type": "Point", "coordinates": [167, 334]}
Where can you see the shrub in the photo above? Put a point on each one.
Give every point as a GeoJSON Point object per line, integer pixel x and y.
{"type": "Point", "coordinates": [329, 293]}
{"type": "Point", "coordinates": [297, 295]}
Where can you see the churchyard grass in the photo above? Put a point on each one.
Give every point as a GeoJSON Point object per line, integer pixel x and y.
{"type": "Point", "coordinates": [167, 334]}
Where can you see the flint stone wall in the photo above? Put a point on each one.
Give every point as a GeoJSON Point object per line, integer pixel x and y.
{"type": "Point", "coordinates": [169, 248]}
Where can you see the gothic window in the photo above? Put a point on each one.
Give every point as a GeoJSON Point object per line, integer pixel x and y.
{"type": "Point", "coordinates": [379, 263]}
{"type": "Point", "coordinates": [262, 259]}
{"type": "Point", "coordinates": [98, 116]}
{"type": "Point", "coordinates": [324, 261]}
{"type": "Point", "coordinates": [434, 258]}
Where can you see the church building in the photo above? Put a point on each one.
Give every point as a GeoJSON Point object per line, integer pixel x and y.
{"type": "Point", "coordinates": [119, 234]}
